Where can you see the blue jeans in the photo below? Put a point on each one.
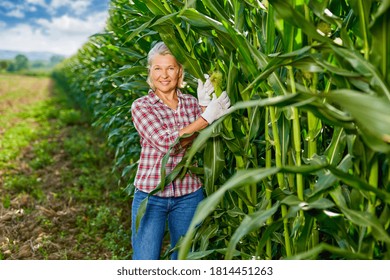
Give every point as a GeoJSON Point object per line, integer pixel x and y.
{"type": "Point", "coordinates": [147, 241]}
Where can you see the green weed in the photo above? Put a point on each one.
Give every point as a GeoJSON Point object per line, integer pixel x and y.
{"type": "Point", "coordinates": [21, 183]}
{"type": "Point", "coordinates": [6, 200]}
{"type": "Point", "coordinates": [70, 117]}
{"type": "Point", "coordinates": [13, 140]}
{"type": "Point", "coordinates": [43, 154]}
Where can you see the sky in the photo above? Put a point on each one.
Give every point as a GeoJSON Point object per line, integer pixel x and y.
{"type": "Point", "coordinates": [56, 26]}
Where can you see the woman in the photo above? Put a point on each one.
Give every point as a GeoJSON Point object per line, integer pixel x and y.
{"type": "Point", "coordinates": [160, 118]}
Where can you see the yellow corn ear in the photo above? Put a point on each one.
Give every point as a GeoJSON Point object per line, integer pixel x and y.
{"type": "Point", "coordinates": [216, 80]}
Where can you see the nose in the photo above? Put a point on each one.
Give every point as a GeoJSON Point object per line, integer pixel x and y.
{"type": "Point", "coordinates": [165, 73]}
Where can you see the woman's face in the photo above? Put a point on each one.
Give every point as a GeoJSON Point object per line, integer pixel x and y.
{"type": "Point", "coordinates": [164, 73]}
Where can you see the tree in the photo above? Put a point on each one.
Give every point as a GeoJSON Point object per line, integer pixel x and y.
{"type": "Point", "coordinates": [38, 64]}
{"type": "Point", "coordinates": [55, 59]}
{"type": "Point", "coordinates": [20, 63]}
{"type": "Point", "coordinates": [4, 65]}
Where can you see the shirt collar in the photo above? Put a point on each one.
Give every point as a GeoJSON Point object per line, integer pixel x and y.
{"type": "Point", "coordinates": [154, 98]}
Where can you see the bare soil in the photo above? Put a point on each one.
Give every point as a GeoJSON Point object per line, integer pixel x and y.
{"type": "Point", "coordinates": [41, 219]}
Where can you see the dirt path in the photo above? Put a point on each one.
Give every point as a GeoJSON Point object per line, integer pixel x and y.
{"type": "Point", "coordinates": [58, 196]}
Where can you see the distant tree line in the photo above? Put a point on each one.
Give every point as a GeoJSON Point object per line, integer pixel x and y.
{"type": "Point", "coordinates": [22, 63]}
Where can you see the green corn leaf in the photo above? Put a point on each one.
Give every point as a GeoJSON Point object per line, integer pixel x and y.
{"type": "Point", "coordinates": [380, 48]}
{"type": "Point", "coordinates": [216, 8]}
{"type": "Point", "coordinates": [243, 49]}
{"type": "Point", "coordinates": [334, 152]}
{"type": "Point", "coordinates": [372, 114]}
{"type": "Point", "coordinates": [199, 255]}
{"type": "Point", "coordinates": [210, 203]}
{"type": "Point", "coordinates": [141, 211]}
{"type": "Point", "coordinates": [326, 179]}
{"type": "Point", "coordinates": [270, 31]}
{"type": "Point", "coordinates": [254, 123]}
{"type": "Point", "coordinates": [366, 219]}
{"type": "Point", "coordinates": [209, 233]}
{"type": "Point", "coordinates": [156, 7]}
{"type": "Point", "coordinates": [321, 10]}
{"type": "Point", "coordinates": [268, 233]}
{"type": "Point", "coordinates": [323, 247]}
{"type": "Point", "coordinates": [243, 195]}
{"type": "Point", "coordinates": [334, 69]}
{"type": "Point", "coordinates": [196, 19]}
{"type": "Point", "coordinates": [138, 30]}
{"type": "Point", "coordinates": [250, 223]}
{"type": "Point", "coordinates": [292, 200]}
{"type": "Point", "coordinates": [202, 23]}
{"type": "Point", "coordinates": [362, 9]}
{"type": "Point", "coordinates": [138, 85]}
{"type": "Point", "coordinates": [365, 68]}
{"type": "Point", "coordinates": [214, 162]}
{"type": "Point", "coordinates": [201, 140]}
{"type": "Point", "coordinates": [285, 11]}
{"type": "Point", "coordinates": [130, 71]}
{"type": "Point", "coordinates": [359, 184]}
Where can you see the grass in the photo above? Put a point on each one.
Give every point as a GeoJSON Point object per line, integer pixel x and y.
{"type": "Point", "coordinates": [57, 172]}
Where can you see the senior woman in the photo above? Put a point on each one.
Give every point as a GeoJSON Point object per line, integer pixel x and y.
{"type": "Point", "coordinates": [160, 117]}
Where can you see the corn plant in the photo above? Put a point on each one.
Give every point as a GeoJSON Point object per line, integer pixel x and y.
{"type": "Point", "coordinates": [300, 168]}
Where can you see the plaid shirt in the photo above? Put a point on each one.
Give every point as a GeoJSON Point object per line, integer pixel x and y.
{"type": "Point", "coordinates": [158, 127]}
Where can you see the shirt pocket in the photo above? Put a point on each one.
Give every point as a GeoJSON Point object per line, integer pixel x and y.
{"type": "Point", "coordinates": [186, 118]}
{"type": "Point", "coordinates": [168, 128]}
{"type": "Point", "coordinates": [167, 120]}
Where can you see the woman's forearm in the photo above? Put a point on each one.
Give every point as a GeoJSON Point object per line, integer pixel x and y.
{"type": "Point", "coordinates": [196, 126]}
{"type": "Point", "coordinates": [193, 128]}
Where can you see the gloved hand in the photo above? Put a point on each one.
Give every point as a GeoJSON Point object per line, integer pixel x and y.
{"type": "Point", "coordinates": [217, 108]}
{"type": "Point", "coordinates": [204, 91]}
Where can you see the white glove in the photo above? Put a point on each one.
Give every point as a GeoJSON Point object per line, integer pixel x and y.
{"type": "Point", "coordinates": [217, 108]}
{"type": "Point", "coordinates": [204, 91]}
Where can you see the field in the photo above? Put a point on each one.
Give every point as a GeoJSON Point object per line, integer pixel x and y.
{"type": "Point", "coordinates": [59, 198]}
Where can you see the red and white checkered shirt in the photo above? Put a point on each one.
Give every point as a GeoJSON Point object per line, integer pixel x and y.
{"type": "Point", "coordinates": [158, 127]}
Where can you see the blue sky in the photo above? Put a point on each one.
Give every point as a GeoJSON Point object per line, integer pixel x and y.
{"type": "Point", "coordinates": [58, 26]}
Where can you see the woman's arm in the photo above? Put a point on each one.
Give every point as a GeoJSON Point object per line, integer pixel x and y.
{"type": "Point", "coordinates": [194, 127]}
{"type": "Point", "coordinates": [151, 128]}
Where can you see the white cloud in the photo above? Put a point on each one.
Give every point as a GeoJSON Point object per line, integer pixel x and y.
{"type": "Point", "coordinates": [32, 9]}
{"type": "Point", "coordinates": [77, 6]}
{"type": "Point", "coordinates": [70, 25]}
{"type": "Point", "coordinates": [36, 2]}
{"type": "Point", "coordinates": [15, 13]}
{"type": "Point", "coordinates": [8, 5]}
{"type": "Point", "coordinates": [62, 35]}
{"type": "Point", "coordinates": [17, 10]}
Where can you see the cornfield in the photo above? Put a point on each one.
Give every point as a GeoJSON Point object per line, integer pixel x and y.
{"type": "Point", "coordinates": [301, 168]}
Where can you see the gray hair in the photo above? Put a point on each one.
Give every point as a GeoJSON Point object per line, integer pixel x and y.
{"type": "Point", "coordinates": [162, 49]}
